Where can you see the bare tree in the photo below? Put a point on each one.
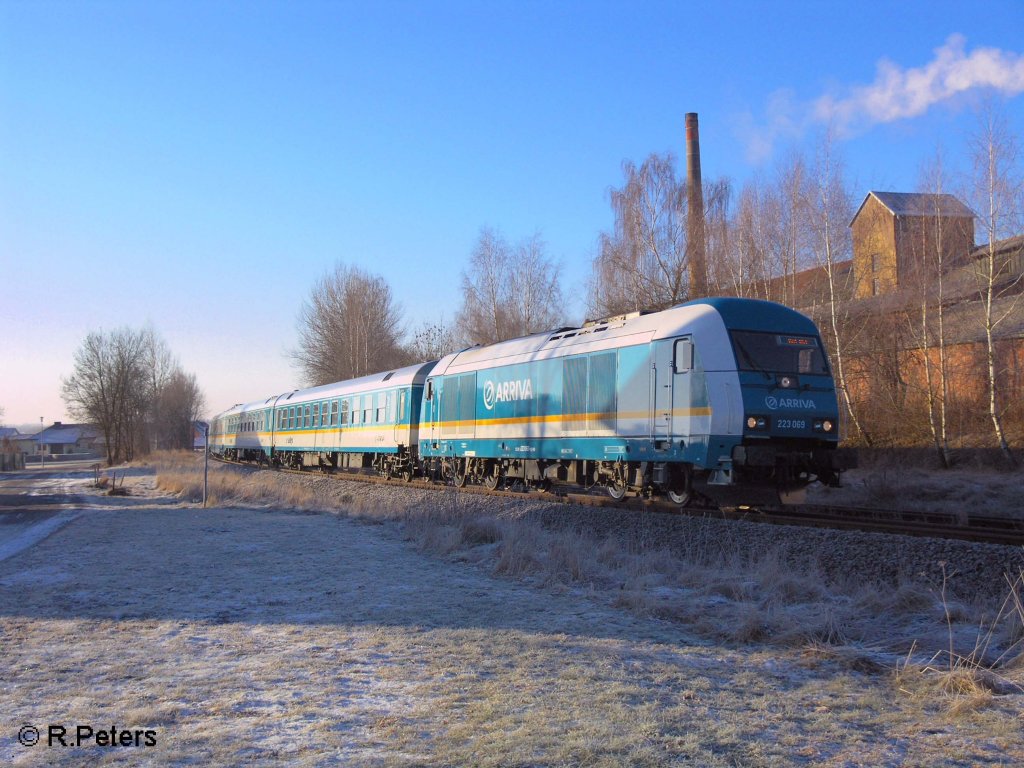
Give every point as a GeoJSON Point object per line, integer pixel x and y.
{"type": "Point", "coordinates": [349, 327]}
{"type": "Point", "coordinates": [107, 388]}
{"type": "Point", "coordinates": [828, 210]}
{"type": "Point", "coordinates": [180, 404]}
{"type": "Point", "coordinates": [931, 259]}
{"type": "Point", "coordinates": [508, 291]}
{"type": "Point", "coordinates": [432, 341]}
{"type": "Point", "coordinates": [755, 255]}
{"type": "Point", "coordinates": [127, 383]}
{"type": "Point", "coordinates": [794, 190]}
{"type": "Point", "coordinates": [717, 196]}
{"type": "Point", "coordinates": [998, 188]}
{"type": "Point", "coordinates": [160, 365]}
{"type": "Point", "coordinates": [643, 262]}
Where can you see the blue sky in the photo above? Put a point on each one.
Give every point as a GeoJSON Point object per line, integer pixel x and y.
{"type": "Point", "coordinates": [197, 166]}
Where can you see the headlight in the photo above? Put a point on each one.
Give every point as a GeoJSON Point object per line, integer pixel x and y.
{"type": "Point", "coordinates": [757, 422]}
{"type": "Point", "coordinates": [824, 425]}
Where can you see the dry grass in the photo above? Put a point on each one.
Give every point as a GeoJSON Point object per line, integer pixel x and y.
{"type": "Point", "coordinates": [260, 636]}
{"type": "Point", "coordinates": [724, 598]}
{"type": "Point", "coordinates": [983, 491]}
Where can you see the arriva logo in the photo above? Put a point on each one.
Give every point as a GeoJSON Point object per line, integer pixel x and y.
{"type": "Point", "coordinates": [506, 391]}
{"type": "Point", "coordinates": [775, 403]}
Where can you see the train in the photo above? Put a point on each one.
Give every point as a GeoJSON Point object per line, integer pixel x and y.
{"type": "Point", "coordinates": [724, 399]}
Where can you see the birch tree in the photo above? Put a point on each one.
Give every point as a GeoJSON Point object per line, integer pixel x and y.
{"type": "Point", "coordinates": [997, 202]}
{"type": "Point", "coordinates": [643, 263]}
{"type": "Point", "coordinates": [829, 209]}
{"type": "Point", "coordinates": [931, 262]}
{"type": "Point", "coordinates": [508, 291]}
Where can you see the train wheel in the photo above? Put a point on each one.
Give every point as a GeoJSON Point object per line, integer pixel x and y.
{"type": "Point", "coordinates": [681, 498]}
{"type": "Point", "coordinates": [681, 493]}
{"type": "Point", "coordinates": [459, 473]}
{"type": "Point", "coordinates": [616, 490]}
{"type": "Point", "coordinates": [406, 474]}
{"type": "Point", "coordinates": [493, 476]}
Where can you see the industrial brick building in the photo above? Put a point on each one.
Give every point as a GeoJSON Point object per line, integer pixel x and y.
{"type": "Point", "coordinates": [895, 233]}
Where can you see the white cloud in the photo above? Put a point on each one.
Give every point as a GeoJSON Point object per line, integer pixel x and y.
{"type": "Point", "coordinates": [896, 94]}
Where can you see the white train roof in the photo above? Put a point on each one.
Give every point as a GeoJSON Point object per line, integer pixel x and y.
{"type": "Point", "coordinates": [399, 377]}
{"type": "Point", "coordinates": [707, 320]}
{"type": "Point", "coordinates": [612, 333]}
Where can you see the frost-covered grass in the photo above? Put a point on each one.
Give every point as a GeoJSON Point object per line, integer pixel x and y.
{"type": "Point", "coordinates": [421, 631]}
{"type": "Point", "coordinates": [719, 595]}
{"type": "Point", "coordinates": [978, 483]}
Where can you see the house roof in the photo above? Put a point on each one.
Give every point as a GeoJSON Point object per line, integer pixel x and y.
{"type": "Point", "coordinates": [65, 434]}
{"type": "Point", "coordinates": [918, 204]}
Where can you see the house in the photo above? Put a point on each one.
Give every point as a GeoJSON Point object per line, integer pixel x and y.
{"type": "Point", "coordinates": [62, 439]}
{"type": "Point", "coordinates": [897, 234]}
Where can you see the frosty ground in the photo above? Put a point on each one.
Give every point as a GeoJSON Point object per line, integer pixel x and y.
{"type": "Point", "coordinates": [267, 635]}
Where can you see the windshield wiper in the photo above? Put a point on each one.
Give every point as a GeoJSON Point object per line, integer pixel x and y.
{"type": "Point", "coordinates": [751, 363]}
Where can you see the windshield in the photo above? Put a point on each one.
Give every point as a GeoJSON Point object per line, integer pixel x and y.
{"type": "Point", "coordinates": [778, 353]}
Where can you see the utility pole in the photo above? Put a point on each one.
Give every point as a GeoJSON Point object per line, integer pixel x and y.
{"type": "Point", "coordinates": [206, 460]}
{"type": "Point", "coordinates": [42, 457]}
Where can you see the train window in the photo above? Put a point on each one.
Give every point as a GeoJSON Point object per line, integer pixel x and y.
{"type": "Point", "coordinates": [307, 422]}
{"type": "Point", "coordinates": [391, 407]}
{"type": "Point", "coordinates": [292, 423]}
{"type": "Point", "coordinates": [334, 413]}
{"type": "Point", "coordinates": [684, 355]}
{"type": "Point", "coordinates": [430, 389]}
{"type": "Point", "coordinates": [401, 406]}
{"type": "Point", "coordinates": [770, 353]}
{"type": "Point", "coordinates": [344, 412]}
{"type": "Point", "coordinates": [316, 415]}
{"type": "Point", "coordinates": [382, 399]}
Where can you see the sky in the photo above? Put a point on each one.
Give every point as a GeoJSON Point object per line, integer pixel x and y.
{"type": "Point", "coordinates": [198, 166]}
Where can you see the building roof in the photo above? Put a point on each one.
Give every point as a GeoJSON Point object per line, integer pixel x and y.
{"type": "Point", "coordinates": [919, 204]}
{"type": "Point", "coordinates": [8, 432]}
{"type": "Point", "coordinates": [1002, 247]}
{"type": "Point", "coordinates": [66, 434]}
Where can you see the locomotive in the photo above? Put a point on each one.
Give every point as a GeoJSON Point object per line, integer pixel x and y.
{"type": "Point", "coordinates": [724, 398]}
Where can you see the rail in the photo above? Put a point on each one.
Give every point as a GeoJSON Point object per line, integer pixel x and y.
{"type": "Point", "coordinates": [977, 528]}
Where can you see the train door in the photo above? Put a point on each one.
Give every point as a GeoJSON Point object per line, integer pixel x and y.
{"type": "Point", "coordinates": [662, 383]}
{"type": "Point", "coordinates": [683, 373]}
{"type": "Point", "coordinates": [399, 417]}
{"type": "Point", "coordinates": [431, 399]}
{"type": "Point", "coordinates": [671, 406]}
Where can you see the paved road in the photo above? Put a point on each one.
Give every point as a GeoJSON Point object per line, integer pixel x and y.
{"type": "Point", "coordinates": [38, 501]}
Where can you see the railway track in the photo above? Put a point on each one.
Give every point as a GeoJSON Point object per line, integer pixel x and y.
{"type": "Point", "coordinates": [943, 525]}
